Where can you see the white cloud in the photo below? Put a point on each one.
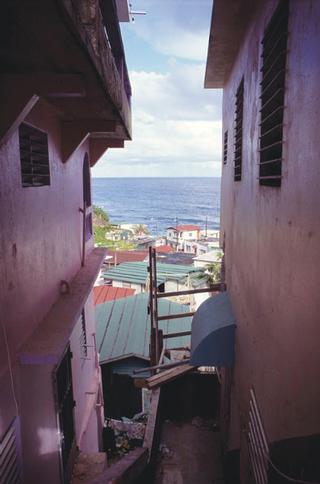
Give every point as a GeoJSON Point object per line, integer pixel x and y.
{"type": "Point", "coordinates": [177, 28]}
{"type": "Point", "coordinates": [176, 128]}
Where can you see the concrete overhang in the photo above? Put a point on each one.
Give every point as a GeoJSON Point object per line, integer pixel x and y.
{"type": "Point", "coordinates": [48, 342]}
{"type": "Point", "coordinates": [58, 50]}
{"type": "Point", "coordinates": [229, 22]}
{"type": "Point", "coordinates": [123, 10]}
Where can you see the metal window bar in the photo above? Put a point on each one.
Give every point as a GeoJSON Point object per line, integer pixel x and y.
{"type": "Point", "coordinates": [10, 458]}
{"type": "Point", "coordinates": [34, 156]}
{"type": "Point", "coordinates": [83, 336]}
{"type": "Point", "coordinates": [238, 132]}
{"type": "Point", "coordinates": [257, 442]}
{"type": "Point", "coordinates": [225, 147]}
{"type": "Point", "coordinates": [272, 95]}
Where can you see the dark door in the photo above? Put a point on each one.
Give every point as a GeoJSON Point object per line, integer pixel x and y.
{"type": "Point", "coordinates": [65, 406]}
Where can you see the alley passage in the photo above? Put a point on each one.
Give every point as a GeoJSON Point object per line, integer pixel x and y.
{"type": "Point", "coordinates": [189, 449]}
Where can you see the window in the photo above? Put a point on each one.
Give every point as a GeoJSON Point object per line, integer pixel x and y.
{"type": "Point", "coordinates": [225, 147]}
{"type": "Point", "coordinates": [83, 335]}
{"type": "Point", "coordinates": [10, 462]}
{"type": "Point", "coordinates": [274, 54]}
{"type": "Point", "coordinates": [34, 157]}
{"type": "Point", "coordinates": [238, 133]}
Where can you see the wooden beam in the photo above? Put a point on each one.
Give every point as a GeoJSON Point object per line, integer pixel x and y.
{"type": "Point", "coordinates": [176, 335]}
{"type": "Point", "coordinates": [168, 375]}
{"type": "Point", "coordinates": [75, 133]}
{"type": "Point", "coordinates": [149, 436]}
{"type": "Point", "coordinates": [213, 288]}
{"type": "Point", "coordinates": [175, 316]}
{"type": "Point", "coordinates": [127, 470]}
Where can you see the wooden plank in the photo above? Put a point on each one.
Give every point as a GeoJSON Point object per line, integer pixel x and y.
{"type": "Point", "coordinates": [149, 435]}
{"type": "Point", "coordinates": [176, 335]}
{"type": "Point", "coordinates": [175, 316]}
{"type": "Point", "coordinates": [126, 470]}
{"type": "Point", "coordinates": [215, 287]}
{"type": "Point", "coordinates": [168, 375]}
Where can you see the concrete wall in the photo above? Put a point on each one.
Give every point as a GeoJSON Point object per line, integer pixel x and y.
{"type": "Point", "coordinates": [41, 244]}
{"type": "Point", "coordinates": [273, 237]}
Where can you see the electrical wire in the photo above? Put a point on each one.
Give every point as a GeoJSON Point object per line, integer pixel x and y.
{"type": "Point", "coordinates": [278, 471]}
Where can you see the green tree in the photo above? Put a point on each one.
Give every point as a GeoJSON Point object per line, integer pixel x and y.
{"type": "Point", "coordinates": [140, 229]}
{"type": "Point", "coordinates": [211, 274]}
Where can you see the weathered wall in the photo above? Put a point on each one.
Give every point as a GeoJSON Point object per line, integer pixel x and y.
{"type": "Point", "coordinates": [273, 238]}
{"type": "Point", "coordinates": [86, 379]}
{"type": "Point", "coordinates": [41, 244]}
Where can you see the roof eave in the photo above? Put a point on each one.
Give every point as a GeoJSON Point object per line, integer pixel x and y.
{"type": "Point", "coordinates": [229, 22]}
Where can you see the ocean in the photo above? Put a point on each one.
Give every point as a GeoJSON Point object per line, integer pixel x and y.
{"type": "Point", "coordinates": [159, 202]}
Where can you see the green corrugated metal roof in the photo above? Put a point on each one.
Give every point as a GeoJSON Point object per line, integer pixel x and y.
{"type": "Point", "coordinates": [123, 327]}
{"type": "Point", "coordinates": [137, 273]}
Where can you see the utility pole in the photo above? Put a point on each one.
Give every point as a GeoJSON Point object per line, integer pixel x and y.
{"type": "Point", "coordinates": [206, 232]}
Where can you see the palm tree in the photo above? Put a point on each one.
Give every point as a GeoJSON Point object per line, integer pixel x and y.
{"type": "Point", "coordinates": [212, 272]}
{"type": "Point", "coordinates": [141, 229]}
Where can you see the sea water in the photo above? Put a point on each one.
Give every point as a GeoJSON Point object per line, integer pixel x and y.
{"type": "Point", "coordinates": [159, 202]}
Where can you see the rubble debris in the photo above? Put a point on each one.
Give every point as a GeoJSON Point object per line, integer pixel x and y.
{"type": "Point", "coordinates": [127, 433]}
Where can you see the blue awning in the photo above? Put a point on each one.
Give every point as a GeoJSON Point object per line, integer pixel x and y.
{"type": "Point", "coordinates": [213, 333]}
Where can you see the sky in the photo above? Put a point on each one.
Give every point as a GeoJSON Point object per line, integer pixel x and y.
{"type": "Point", "coordinates": [176, 122]}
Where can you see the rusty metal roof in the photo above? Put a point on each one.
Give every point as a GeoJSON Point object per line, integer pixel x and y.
{"type": "Point", "coordinates": [123, 327]}
{"type": "Point", "coordinates": [104, 294]}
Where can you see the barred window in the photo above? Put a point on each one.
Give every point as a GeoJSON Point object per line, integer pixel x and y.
{"type": "Point", "coordinates": [274, 55]}
{"type": "Point", "coordinates": [238, 133]}
{"type": "Point", "coordinates": [34, 156]}
{"type": "Point", "coordinates": [83, 335]}
{"type": "Point", "coordinates": [225, 147]}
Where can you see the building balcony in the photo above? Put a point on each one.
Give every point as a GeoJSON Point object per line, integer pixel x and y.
{"type": "Point", "coordinates": [70, 55]}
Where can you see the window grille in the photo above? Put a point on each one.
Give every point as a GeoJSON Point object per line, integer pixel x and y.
{"type": "Point", "coordinates": [10, 462]}
{"type": "Point", "coordinates": [257, 443]}
{"type": "Point", "coordinates": [238, 133]}
{"type": "Point", "coordinates": [65, 406]}
{"type": "Point", "coordinates": [225, 147]}
{"type": "Point", "coordinates": [34, 156]}
{"type": "Point", "coordinates": [83, 336]}
{"type": "Point", "coordinates": [274, 55]}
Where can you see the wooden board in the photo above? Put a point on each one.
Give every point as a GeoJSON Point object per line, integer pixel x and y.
{"type": "Point", "coordinates": [168, 375]}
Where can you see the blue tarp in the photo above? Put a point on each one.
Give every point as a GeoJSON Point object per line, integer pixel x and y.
{"type": "Point", "coordinates": [213, 333]}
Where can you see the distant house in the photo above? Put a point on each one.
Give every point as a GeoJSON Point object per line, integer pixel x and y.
{"type": "Point", "coordinates": [177, 235]}
{"type": "Point", "coordinates": [170, 277]}
{"type": "Point", "coordinates": [201, 246]}
{"type": "Point", "coordinates": [208, 258]}
{"type": "Point", "coordinates": [144, 242]}
{"type": "Point", "coordinates": [116, 257]}
{"type": "Point", "coordinates": [123, 337]}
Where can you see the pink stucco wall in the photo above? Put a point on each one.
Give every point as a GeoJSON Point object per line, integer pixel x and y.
{"type": "Point", "coordinates": [41, 244]}
{"type": "Point", "coordinates": [272, 238]}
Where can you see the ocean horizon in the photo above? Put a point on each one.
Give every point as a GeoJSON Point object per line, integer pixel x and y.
{"type": "Point", "coordinates": [160, 202]}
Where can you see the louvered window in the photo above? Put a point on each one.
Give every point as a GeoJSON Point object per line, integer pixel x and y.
{"type": "Point", "coordinates": [238, 133]}
{"type": "Point", "coordinates": [34, 156]}
{"type": "Point", "coordinates": [225, 147]}
{"type": "Point", "coordinates": [83, 335]}
{"type": "Point", "coordinates": [274, 55]}
{"type": "Point", "coordinates": [10, 461]}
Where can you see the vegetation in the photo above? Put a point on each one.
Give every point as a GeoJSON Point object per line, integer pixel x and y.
{"type": "Point", "coordinates": [211, 273]}
{"type": "Point", "coordinates": [100, 217]}
{"type": "Point", "coordinates": [141, 229]}
{"type": "Point", "coordinates": [102, 228]}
